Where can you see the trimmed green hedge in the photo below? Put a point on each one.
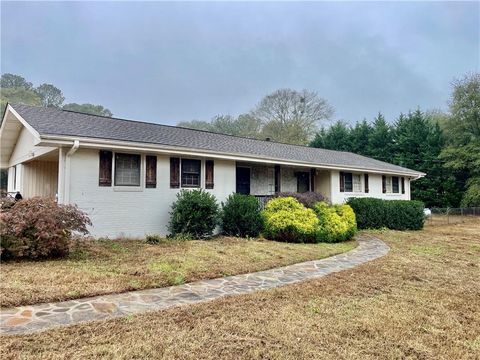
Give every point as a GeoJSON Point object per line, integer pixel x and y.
{"type": "Point", "coordinates": [374, 213]}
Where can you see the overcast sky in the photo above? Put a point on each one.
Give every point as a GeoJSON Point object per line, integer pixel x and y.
{"type": "Point", "coordinates": [169, 62]}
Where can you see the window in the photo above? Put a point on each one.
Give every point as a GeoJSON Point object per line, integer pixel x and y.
{"type": "Point", "coordinates": [127, 170]}
{"type": "Point", "coordinates": [347, 182]}
{"type": "Point", "coordinates": [395, 187]}
{"type": "Point", "coordinates": [391, 184]}
{"type": "Point", "coordinates": [190, 173]}
{"type": "Point", "coordinates": [357, 183]}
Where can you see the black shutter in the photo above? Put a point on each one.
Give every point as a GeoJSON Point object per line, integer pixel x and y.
{"type": "Point", "coordinates": [174, 173]}
{"type": "Point", "coordinates": [342, 181]}
{"type": "Point", "coordinates": [312, 179]}
{"type": "Point", "coordinates": [403, 185]}
{"type": "Point", "coordinates": [209, 182]}
{"type": "Point", "coordinates": [151, 171]}
{"type": "Point", "coordinates": [105, 173]}
{"type": "Point", "coordinates": [384, 184]}
{"type": "Point", "coordinates": [277, 179]}
{"type": "Point", "coordinates": [365, 176]}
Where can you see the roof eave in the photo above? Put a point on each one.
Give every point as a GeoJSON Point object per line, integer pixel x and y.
{"type": "Point", "coordinates": [86, 142]}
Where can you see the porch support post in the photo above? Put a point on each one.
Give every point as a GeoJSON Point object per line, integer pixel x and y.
{"type": "Point", "coordinates": [313, 172]}
{"type": "Point", "coordinates": [61, 175]}
{"type": "Point", "coordinates": [277, 179]}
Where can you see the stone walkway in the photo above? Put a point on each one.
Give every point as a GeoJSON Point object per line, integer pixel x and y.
{"type": "Point", "coordinates": [28, 319]}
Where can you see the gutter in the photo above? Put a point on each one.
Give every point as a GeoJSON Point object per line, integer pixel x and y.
{"type": "Point", "coordinates": [68, 156]}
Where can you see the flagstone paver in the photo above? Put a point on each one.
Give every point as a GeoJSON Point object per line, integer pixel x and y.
{"type": "Point", "coordinates": [28, 319]}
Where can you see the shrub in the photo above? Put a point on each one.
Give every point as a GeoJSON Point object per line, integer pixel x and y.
{"type": "Point", "coordinates": [392, 214]}
{"type": "Point", "coordinates": [348, 216]}
{"type": "Point", "coordinates": [288, 220]}
{"type": "Point", "coordinates": [307, 199]}
{"type": "Point", "coordinates": [153, 239]}
{"type": "Point", "coordinates": [241, 216]}
{"type": "Point", "coordinates": [336, 223]}
{"type": "Point", "coordinates": [194, 214]}
{"type": "Point", "coordinates": [39, 228]}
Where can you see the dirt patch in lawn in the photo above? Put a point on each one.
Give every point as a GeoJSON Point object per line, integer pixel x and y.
{"type": "Point", "coordinates": [113, 266]}
{"type": "Point", "coordinates": [421, 301]}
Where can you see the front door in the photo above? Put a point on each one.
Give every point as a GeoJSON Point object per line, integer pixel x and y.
{"type": "Point", "coordinates": [243, 180]}
{"type": "Point", "coordinates": [303, 182]}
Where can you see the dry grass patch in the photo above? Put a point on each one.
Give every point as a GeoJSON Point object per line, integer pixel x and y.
{"type": "Point", "coordinates": [112, 266]}
{"type": "Point", "coordinates": [411, 304]}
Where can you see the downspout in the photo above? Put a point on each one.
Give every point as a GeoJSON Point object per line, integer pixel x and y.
{"type": "Point", "coordinates": [66, 196]}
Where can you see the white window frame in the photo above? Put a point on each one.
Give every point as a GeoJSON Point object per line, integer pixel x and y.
{"type": "Point", "coordinates": [127, 188]}
{"type": "Point", "coordinates": [200, 175]}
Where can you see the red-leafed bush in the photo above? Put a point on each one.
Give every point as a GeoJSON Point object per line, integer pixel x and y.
{"type": "Point", "coordinates": [39, 228]}
{"type": "Point", "coordinates": [307, 199]}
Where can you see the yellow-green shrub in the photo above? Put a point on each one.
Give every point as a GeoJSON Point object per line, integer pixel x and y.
{"type": "Point", "coordinates": [336, 223]}
{"type": "Point", "coordinates": [286, 219]}
{"type": "Point", "coordinates": [348, 215]}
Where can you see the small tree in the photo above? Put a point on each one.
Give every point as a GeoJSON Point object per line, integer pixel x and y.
{"type": "Point", "coordinates": [195, 214]}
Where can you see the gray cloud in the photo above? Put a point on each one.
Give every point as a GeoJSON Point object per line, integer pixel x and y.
{"type": "Point", "coordinates": [168, 62]}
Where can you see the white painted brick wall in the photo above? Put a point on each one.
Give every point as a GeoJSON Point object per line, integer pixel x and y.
{"type": "Point", "coordinates": [135, 212]}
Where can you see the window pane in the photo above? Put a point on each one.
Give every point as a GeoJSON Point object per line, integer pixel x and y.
{"type": "Point", "coordinates": [191, 173]}
{"type": "Point", "coordinates": [395, 187]}
{"type": "Point", "coordinates": [357, 183]}
{"type": "Point", "coordinates": [348, 182]}
{"type": "Point", "coordinates": [127, 170]}
{"type": "Point", "coordinates": [389, 184]}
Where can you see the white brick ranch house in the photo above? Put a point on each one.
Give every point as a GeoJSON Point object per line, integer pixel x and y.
{"type": "Point", "coordinates": [125, 174]}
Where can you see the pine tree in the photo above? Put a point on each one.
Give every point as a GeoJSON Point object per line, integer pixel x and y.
{"type": "Point", "coordinates": [381, 140]}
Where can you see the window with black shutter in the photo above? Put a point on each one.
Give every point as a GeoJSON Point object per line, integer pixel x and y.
{"type": "Point", "coordinates": [105, 168]}
{"type": "Point", "coordinates": [150, 171]}
{"type": "Point", "coordinates": [174, 173]}
{"type": "Point", "coordinates": [209, 174]}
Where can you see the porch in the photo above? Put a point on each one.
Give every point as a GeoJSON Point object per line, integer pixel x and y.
{"type": "Point", "coordinates": [36, 177]}
{"type": "Point", "coordinates": [265, 180]}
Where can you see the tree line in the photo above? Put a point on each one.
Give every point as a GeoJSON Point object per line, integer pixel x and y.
{"type": "Point", "coordinates": [446, 146]}
{"type": "Point", "coordinates": [16, 89]}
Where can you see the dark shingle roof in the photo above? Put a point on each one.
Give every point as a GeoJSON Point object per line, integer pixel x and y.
{"type": "Point", "coordinates": [51, 121]}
